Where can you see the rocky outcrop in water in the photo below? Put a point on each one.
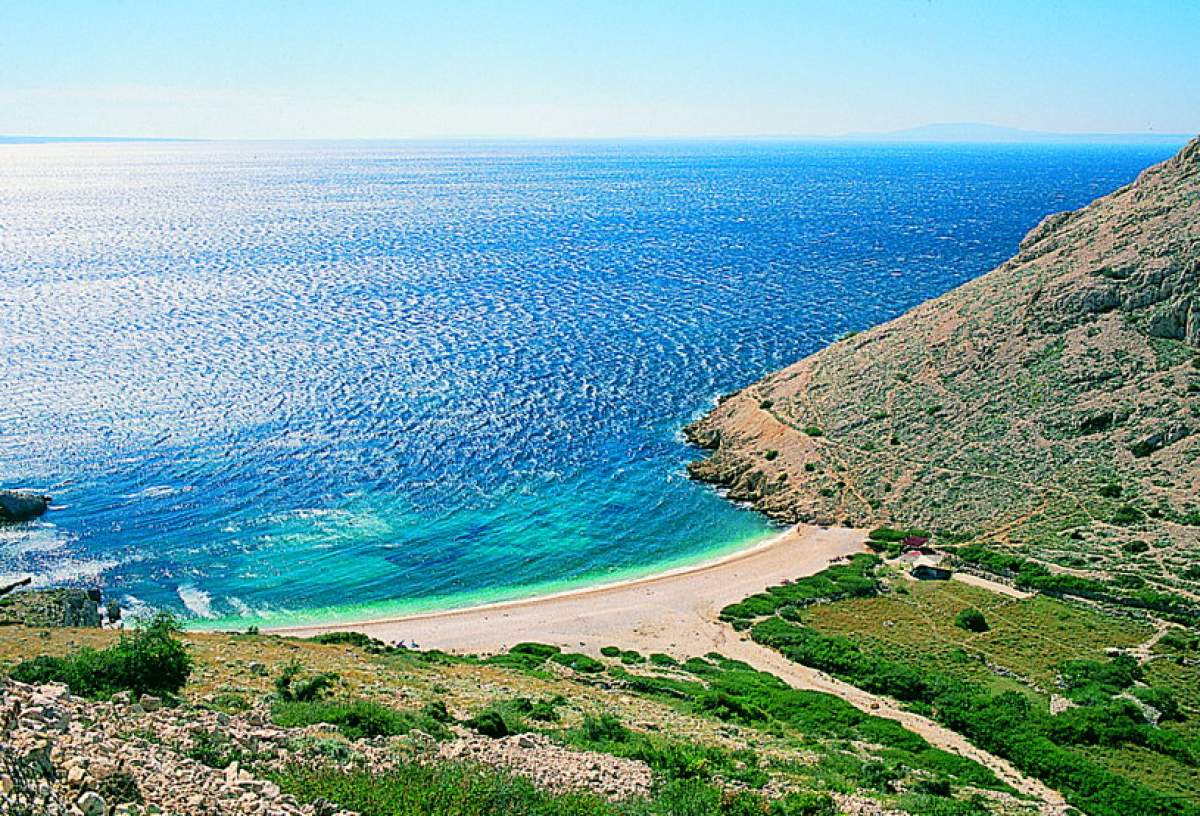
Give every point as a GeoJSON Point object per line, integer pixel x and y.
{"type": "Point", "coordinates": [17, 506]}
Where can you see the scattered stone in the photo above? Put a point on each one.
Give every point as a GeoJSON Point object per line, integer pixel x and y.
{"type": "Point", "coordinates": [91, 803]}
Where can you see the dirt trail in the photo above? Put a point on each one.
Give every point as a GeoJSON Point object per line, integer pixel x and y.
{"type": "Point", "coordinates": [731, 644]}
{"type": "Point", "coordinates": [677, 613]}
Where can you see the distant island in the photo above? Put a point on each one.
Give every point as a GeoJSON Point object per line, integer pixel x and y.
{"type": "Point", "coordinates": [986, 133]}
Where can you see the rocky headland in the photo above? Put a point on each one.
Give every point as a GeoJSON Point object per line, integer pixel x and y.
{"type": "Point", "coordinates": [1050, 408]}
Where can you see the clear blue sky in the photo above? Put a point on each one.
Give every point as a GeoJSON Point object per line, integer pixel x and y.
{"type": "Point", "coordinates": [560, 68]}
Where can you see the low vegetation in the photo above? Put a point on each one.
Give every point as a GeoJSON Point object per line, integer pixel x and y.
{"type": "Point", "coordinates": [455, 789]}
{"type": "Point", "coordinates": [962, 682]}
{"type": "Point", "coordinates": [854, 579]}
{"type": "Point", "coordinates": [151, 660]}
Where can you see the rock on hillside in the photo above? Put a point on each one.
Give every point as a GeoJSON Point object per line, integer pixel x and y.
{"type": "Point", "coordinates": [1051, 406]}
{"type": "Point", "coordinates": [71, 607]}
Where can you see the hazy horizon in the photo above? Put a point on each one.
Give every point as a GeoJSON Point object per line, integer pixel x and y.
{"type": "Point", "coordinates": [921, 134]}
{"type": "Point", "coordinates": [541, 70]}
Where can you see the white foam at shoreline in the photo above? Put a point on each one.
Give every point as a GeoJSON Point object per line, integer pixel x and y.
{"type": "Point", "coordinates": [197, 601]}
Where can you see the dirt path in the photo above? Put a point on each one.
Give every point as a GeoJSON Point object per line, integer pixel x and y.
{"type": "Point", "coordinates": [677, 613]}
{"type": "Point", "coordinates": [803, 677]}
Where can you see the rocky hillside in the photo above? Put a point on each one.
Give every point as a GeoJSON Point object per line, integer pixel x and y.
{"type": "Point", "coordinates": [273, 726]}
{"type": "Point", "coordinates": [1049, 408]}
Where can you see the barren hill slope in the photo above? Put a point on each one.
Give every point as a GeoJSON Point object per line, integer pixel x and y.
{"type": "Point", "coordinates": [1051, 406]}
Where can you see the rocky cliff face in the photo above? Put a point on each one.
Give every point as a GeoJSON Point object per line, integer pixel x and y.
{"type": "Point", "coordinates": [52, 608]}
{"type": "Point", "coordinates": [1051, 406]}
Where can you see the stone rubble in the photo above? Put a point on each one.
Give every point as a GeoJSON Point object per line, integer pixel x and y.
{"type": "Point", "coordinates": [95, 748]}
{"type": "Point", "coordinates": [553, 767]}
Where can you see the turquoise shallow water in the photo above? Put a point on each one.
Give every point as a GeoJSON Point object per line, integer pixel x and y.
{"type": "Point", "coordinates": [285, 382]}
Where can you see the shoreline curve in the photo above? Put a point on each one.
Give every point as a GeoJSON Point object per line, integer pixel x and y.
{"type": "Point", "coordinates": [671, 611]}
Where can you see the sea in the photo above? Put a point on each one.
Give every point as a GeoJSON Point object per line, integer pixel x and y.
{"type": "Point", "coordinates": [295, 382]}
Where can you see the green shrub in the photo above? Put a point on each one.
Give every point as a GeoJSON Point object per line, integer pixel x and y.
{"type": "Point", "coordinates": [355, 719]}
{"type": "Point", "coordinates": [212, 748]}
{"type": "Point", "coordinates": [1127, 514]}
{"type": "Point", "coordinates": [461, 789]}
{"type": "Point", "coordinates": [365, 642]}
{"type": "Point", "coordinates": [1112, 677]}
{"type": "Point", "coordinates": [972, 620]}
{"type": "Point", "coordinates": [804, 803]}
{"type": "Point", "coordinates": [436, 789]}
{"type": "Point", "coordinates": [663, 660]}
{"type": "Point", "coordinates": [290, 687]}
{"type": "Point", "coordinates": [728, 708]}
{"type": "Point", "coordinates": [151, 660]}
{"type": "Point", "coordinates": [542, 650]}
{"type": "Point", "coordinates": [120, 787]}
{"type": "Point", "coordinates": [605, 728]}
{"type": "Point", "coordinates": [610, 651]}
{"type": "Point", "coordinates": [578, 662]}
{"type": "Point", "coordinates": [492, 723]}
{"type": "Point", "coordinates": [853, 580]}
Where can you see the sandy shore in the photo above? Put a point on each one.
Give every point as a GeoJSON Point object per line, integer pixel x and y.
{"type": "Point", "coordinates": [676, 613]}
{"type": "Point", "coordinates": [673, 612]}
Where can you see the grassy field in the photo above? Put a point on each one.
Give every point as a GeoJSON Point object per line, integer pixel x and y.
{"type": "Point", "coordinates": [1025, 642]}
{"type": "Point", "coordinates": [913, 640]}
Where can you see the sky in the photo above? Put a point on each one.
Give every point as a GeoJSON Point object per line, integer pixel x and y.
{"type": "Point", "coordinates": [357, 69]}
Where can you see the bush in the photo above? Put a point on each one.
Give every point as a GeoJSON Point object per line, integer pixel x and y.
{"type": "Point", "coordinates": [805, 803]}
{"type": "Point", "coordinates": [853, 580]}
{"type": "Point", "coordinates": [610, 651]}
{"type": "Point", "coordinates": [437, 712]}
{"type": "Point", "coordinates": [1126, 515]}
{"type": "Point", "coordinates": [212, 748]}
{"type": "Point", "coordinates": [972, 620]}
{"type": "Point", "coordinates": [149, 661]}
{"type": "Point", "coordinates": [305, 690]}
{"type": "Point", "coordinates": [542, 650]}
{"type": "Point", "coordinates": [1118, 674]}
{"type": "Point", "coordinates": [436, 789]}
{"type": "Point", "coordinates": [490, 724]}
{"type": "Point", "coordinates": [358, 639]}
{"type": "Point", "coordinates": [605, 728]}
{"type": "Point", "coordinates": [119, 787]}
{"type": "Point", "coordinates": [578, 662]}
{"type": "Point", "coordinates": [355, 719]}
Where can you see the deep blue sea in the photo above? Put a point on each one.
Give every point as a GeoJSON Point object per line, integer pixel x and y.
{"type": "Point", "coordinates": [299, 381]}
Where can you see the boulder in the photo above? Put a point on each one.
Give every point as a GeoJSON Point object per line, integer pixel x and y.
{"type": "Point", "coordinates": [16, 505]}
{"type": "Point", "coordinates": [91, 804]}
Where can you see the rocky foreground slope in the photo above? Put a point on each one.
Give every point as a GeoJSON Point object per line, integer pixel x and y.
{"type": "Point", "coordinates": [1050, 407]}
